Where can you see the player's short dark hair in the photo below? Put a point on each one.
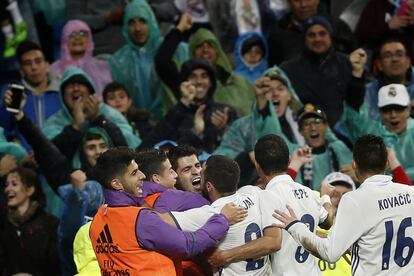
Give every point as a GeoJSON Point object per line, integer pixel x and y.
{"type": "Point", "coordinates": [113, 163]}
{"type": "Point", "coordinates": [370, 154]}
{"type": "Point", "coordinates": [27, 46]}
{"type": "Point", "coordinates": [272, 154]}
{"type": "Point", "coordinates": [112, 87]}
{"type": "Point", "coordinates": [178, 152]}
{"type": "Point", "coordinates": [150, 161]}
{"type": "Point", "coordinates": [223, 173]}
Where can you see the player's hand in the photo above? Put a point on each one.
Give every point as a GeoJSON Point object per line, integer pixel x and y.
{"type": "Point", "coordinates": [300, 157]}
{"type": "Point", "coordinates": [233, 213]}
{"type": "Point", "coordinates": [198, 120]}
{"type": "Point", "coordinates": [284, 218]}
{"type": "Point", "coordinates": [358, 59]}
{"type": "Point", "coordinates": [91, 107]}
{"type": "Point", "coordinates": [78, 114]}
{"type": "Point", "coordinates": [217, 259]}
{"type": "Point", "coordinates": [185, 23]}
{"type": "Point", "coordinates": [220, 118]}
{"type": "Point", "coordinates": [78, 178]}
{"type": "Point", "coordinates": [188, 92]}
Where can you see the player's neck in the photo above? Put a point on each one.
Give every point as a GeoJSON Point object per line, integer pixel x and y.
{"type": "Point", "coordinates": [364, 176]}
{"type": "Point", "coordinates": [215, 196]}
{"type": "Point", "coordinates": [267, 178]}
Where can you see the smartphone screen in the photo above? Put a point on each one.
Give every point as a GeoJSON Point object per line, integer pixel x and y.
{"type": "Point", "coordinates": [17, 94]}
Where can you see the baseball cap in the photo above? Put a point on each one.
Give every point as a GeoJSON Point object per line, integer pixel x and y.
{"type": "Point", "coordinates": [310, 110]}
{"type": "Point", "coordinates": [336, 177]}
{"type": "Point", "coordinates": [393, 94]}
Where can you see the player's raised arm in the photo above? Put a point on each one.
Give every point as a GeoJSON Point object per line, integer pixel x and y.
{"type": "Point", "coordinates": [349, 226]}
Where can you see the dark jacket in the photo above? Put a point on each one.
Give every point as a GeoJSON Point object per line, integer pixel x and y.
{"type": "Point", "coordinates": [177, 125]}
{"type": "Point", "coordinates": [321, 80]}
{"type": "Point", "coordinates": [286, 39]}
{"type": "Point", "coordinates": [29, 246]}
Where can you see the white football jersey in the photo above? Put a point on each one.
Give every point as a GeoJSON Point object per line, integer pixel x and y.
{"type": "Point", "coordinates": [377, 221]}
{"type": "Point", "coordinates": [292, 259]}
{"type": "Point", "coordinates": [239, 234]}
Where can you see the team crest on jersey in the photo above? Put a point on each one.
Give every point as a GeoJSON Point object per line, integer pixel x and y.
{"type": "Point", "coordinates": [105, 244]}
{"type": "Point", "coordinates": [392, 92]}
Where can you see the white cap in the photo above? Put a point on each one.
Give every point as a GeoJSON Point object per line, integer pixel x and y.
{"type": "Point", "coordinates": [393, 94]}
{"type": "Point", "coordinates": [334, 177]}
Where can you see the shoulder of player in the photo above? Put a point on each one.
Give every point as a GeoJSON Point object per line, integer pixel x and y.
{"type": "Point", "coordinates": [248, 189]}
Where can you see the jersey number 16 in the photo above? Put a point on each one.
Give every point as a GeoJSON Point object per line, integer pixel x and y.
{"type": "Point", "coordinates": [404, 243]}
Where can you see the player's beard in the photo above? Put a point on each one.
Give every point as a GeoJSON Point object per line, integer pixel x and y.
{"type": "Point", "coordinates": [204, 192]}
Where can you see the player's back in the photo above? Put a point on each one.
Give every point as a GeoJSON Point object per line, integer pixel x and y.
{"type": "Point", "coordinates": [385, 212]}
{"type": "Point", "coordinates": [239, 234]}
{"type": "Point", "coordinates": [293, 259]}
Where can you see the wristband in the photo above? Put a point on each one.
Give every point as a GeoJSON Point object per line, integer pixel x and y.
{"type": "Point", "coordinates": [325, 199]}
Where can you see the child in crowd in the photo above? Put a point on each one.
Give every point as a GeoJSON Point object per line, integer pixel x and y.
{"type": "Point", "coordinates": [116, 95]}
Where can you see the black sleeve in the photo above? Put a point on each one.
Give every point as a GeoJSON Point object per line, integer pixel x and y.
{"type": "Point", "coordinates": [164, 64]}
{"type": "Point", "coordinates": [275, 52]}
{"type": "Point", "coordinates": [111, 129]}
{"type": "Point", "coordinates": [53, 164]}
{"type": "Point", "coordinates": [356, 92]}
{"type": "Point", "coordinates": [343, 38]}
{"type": "Point", "coordinates": [68, 141]}
{"type": "Point", "coordinates": [167, 127]}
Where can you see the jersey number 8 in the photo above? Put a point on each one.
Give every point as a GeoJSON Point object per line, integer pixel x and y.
{"type": "Point", "coordinates": [301, 254]}
{"type": "Point", "coordinates": [253, 230]}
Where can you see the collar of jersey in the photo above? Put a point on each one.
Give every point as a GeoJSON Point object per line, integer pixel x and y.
{"type": "Point", "coordinates": [277, 179]}
{"type": "Point", "coordinates": [226, 199]}
{"type": "Point", "coordinates": [378, 180]}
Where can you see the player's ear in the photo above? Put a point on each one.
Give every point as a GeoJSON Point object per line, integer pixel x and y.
{"type": "Point", "coordinates": [156, 178]}
{"type": "Point", "coordinates": [259, 169]}
{"type": "Point", "coordinates": [354, 167]}
{"type": "Point", "coordinates": [209, 186]}
{"type": "Point", "coordinates": [117, 185]}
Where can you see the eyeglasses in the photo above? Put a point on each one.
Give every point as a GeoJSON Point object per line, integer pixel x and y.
{"type": "Point", "coordinates": [393, 107]}
{"type": "Point", "coordinates": [78, 34]}
{"type": "Point", "coordinates": [396, 54]}
{"type": "Point", "coordinates": [30, 62]}
{"type": "Point", "coordinates": [316, 122]}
